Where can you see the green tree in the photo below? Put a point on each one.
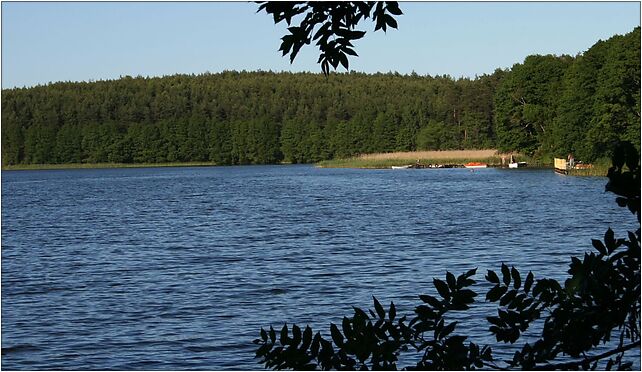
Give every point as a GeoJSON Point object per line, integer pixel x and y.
{"type": "Point", "coordinates": [406, 138]}
{"type": "Point", "coordinates": [221, 143]}
{"type": "Point", "coordinates": [68, 144]}
{"type": "Point", "coordinates": [617, 93]}
{"type": "Point", "coordinates": [39, 144]}
{"type": "Point", "coordinates": [525, 103]}
{"type": "Point", "coordinates": [12, 140]}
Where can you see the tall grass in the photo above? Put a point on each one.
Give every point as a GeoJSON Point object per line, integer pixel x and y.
{"type": "Point", "coordinates": [600, 168]}
{"type": "Point", "coordinates": [386, 160]}
{"type": "Point", "coordinates": [432, 155]}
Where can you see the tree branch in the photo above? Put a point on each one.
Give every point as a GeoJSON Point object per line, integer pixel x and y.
{"type": "Point", "coordinates": [570, 365]}
{"type": "Point", "coordinates": [495, 366]}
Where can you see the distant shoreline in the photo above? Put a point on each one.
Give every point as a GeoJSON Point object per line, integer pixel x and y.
{"type": "Point", "coordinates": [364, 161]}
{"type": "Point", "coordinates": [21, 167]}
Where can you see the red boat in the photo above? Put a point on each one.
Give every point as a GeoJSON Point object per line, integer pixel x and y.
{"type": "Point", "coordinates": [474, 164]}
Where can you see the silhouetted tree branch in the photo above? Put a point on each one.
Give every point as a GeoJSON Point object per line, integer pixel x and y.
{"type": "Point", "coordinates": [331, 24]}
{"type": "Point", "coordinates": [586, 361]}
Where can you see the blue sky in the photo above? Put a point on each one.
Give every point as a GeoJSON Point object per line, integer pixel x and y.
{"type": "Point", "coordinates": [73, 41]}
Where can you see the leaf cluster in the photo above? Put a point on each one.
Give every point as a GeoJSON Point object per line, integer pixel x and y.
{"type": "Point", "coordinates": [332, 25]}
{"type": "Point", "coordinates": [372, 338]}
{"type": "Point", "coordinates": [375, 338]}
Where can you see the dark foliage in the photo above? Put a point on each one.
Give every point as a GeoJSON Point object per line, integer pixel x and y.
{"type": "Point", "coordinates": [334, 23]}
{"type": "Point", "coordinates": [243, 117]}
{"type": "Point", "coordinates": [599, 303]}
{"type": "Point", "coordinates": [552, 105]}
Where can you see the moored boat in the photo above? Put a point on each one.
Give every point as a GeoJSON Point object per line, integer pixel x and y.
{"type": "Point", "coordinates": [475, 164]}
{"type": "Point", "coordinates": [519, 164]}
{"type": "Point", "coordinates": [401, 166]}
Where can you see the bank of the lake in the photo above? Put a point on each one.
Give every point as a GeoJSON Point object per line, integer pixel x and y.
{"type": "Point", "coordinates": [104, 165]}
{"type": "Point", "coordinates": [599, 170]}
{"type": "Point", "coordinates": [454, 157]}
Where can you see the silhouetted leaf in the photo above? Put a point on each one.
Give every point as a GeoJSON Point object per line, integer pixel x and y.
{"type": "Point", "coordinates": [529, 282]}
{"type": "Point", "coordinates": [360, 313]}
{"type": "Point", "coordinates": [343, 59]}
{"type": "Point", "coordinates": [492, 277]}
{"type": "Point", "coordinates": [508, 297]}
{"type": "Point", "coordinates": [262, 350]}
{"type": "Point", "coordinates": [350, 51]}
{"type": "Point", "coordinates": [609, 240]}
{"type": "Point", "coordinates": [316, 343]}
{"type": "Point", "coordinates": [296, 335]}
{"type": "Point", "coordinates": [307, 338]}
{"type": "Point", "coordinates": [430, 300]}
{"type": "Point", "coordinates": [393, 8]}
{"type": "Point", "coordinates": [447, 329]}
{"type": "Point", "coordinates": [517, 280]}
{"type": "Point", "coordinates": [495, 293]}
{"type": "Point", "coordinates": [337, 337]}
{"type": "Point", "coordinates": [347, 329]}
{"type": "Point", "coordinates": [392, 313]}
{"type": "Point", "coordinates": [599, 246]}
{"type": "Point", "coordinates": [450, 279]}
{"type": "Point", "coordinates": [390, 21]}
{"type": "Point", "coordinates": [284, 334]}
{"type": "Point", "coordinates": [495, 320]}
{"type": "Point", "coordinates": [355, 35]}
{"type": "Point", "coordinates": [442, 288]}
{"type": "Point", "coordinates": [466, 295]}
{"type": "Point", "coordinates": [470, 273]}
{"type": "Point", "coordinates": [506, 274]}
{"type": "Point", "coordinates": [323, 30]}
{"type": "Point", "coordinates": [379, 308]}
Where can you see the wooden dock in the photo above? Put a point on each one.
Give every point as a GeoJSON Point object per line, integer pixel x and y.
{"type": "Point", "coordinates": [561, 166]}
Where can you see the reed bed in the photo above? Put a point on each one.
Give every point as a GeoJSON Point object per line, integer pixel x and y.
{"type": "Point", "coordinates": [597, 170]}
{"type": "Point", "coordinates": [387, 160]}
{"type": "Point", "coordinates": [433, 155]}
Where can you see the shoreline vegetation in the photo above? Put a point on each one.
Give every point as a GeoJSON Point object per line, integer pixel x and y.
{"type": "Point", "coordinates": [489, 156]}
{"type": "Point", "coordinates": [386, 160]}
{"type": "Point", "coordinates": [365, 161]}
{"type": "Point", "coordinates": [21, 167]}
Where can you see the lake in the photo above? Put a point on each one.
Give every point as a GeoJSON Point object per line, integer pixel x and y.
{"type": "Point", "coordinates": [178, 268]}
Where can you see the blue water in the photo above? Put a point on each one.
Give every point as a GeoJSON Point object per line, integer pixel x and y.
{"type": "Point", "coordinates": [178, 268]}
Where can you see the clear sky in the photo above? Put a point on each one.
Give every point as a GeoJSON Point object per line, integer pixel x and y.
{"type": "Point", "coordinates": [74, 41]}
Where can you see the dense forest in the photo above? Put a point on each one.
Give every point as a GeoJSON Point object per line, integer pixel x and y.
{"type": "Point", "coordinates": [546, 106]}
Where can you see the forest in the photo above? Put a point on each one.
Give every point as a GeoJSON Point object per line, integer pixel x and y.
{"type": "Point", "coordinates": [545, 106]}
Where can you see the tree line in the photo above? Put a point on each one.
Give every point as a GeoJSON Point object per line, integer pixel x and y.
{"type": "Point", "coordinates": [546, 106]}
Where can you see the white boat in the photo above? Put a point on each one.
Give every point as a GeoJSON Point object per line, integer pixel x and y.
{"type": "Point", "coordinates": [519, 164]}
{"type": "Point", "coordinates": [401, 166]}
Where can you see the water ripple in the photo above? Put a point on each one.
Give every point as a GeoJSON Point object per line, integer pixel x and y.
{"type": "Point", "coordinates": [157, 269]}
